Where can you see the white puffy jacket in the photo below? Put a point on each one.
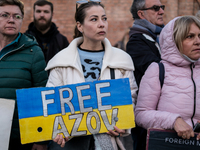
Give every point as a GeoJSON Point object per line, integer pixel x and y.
{"type": "Point", "coordinates": [66, 67]}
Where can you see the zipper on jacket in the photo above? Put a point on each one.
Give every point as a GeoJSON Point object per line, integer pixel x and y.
{"type": "Point", "coordinates": [191, 67]}
{"type": "Point", "coordinates": [11, 52]}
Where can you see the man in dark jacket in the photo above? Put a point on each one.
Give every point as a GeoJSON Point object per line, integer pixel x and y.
{"type": "Point", "coordinates": [143, 47]}
{"type": "Point", "coordinates": [45, 31]}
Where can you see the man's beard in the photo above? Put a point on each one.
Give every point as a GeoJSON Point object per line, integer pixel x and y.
{"type": "Point", "coordinates": [43, 26]}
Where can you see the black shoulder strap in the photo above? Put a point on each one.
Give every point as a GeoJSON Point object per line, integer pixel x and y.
{"type": "Point", "coordinates": [112, 73]}
{"type": "Point", "coordinates": [161, 73]}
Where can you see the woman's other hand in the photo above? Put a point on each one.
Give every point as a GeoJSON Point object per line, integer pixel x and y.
{"type": "Point", "coordinates": [198, 136]}
{"type": "Point", "coordinates": [118, 132]}
{"type": "Point", "coordinates": [60, 140]}
{"type": "Point", "coordinates": [183, 129]}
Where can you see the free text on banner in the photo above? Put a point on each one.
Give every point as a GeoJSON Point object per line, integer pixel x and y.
{"type": "Point", "coordinates": [74, 110]}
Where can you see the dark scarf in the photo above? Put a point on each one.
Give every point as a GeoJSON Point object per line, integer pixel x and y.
{"type": "Point", "coordinates": [144, 26]}
{"type": "Point", "coordinates": [47, 37]}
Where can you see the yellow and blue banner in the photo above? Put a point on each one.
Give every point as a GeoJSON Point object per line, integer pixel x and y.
{"type": "Point", "coordinates": [74, 110]}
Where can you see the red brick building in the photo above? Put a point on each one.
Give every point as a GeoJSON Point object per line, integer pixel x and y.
{"type": "Point", "coordinates": [119, 16]}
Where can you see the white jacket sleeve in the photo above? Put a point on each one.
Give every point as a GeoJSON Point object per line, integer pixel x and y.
{"type": "Point", "coordinates": [55, 78]}
{"type": "Point", "coordinates": [133, 86]}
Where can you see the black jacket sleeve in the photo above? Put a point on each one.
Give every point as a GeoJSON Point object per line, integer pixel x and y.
{"type": "Point", "coordinates": [143, 52]}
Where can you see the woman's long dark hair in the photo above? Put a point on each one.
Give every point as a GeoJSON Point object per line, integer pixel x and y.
{"type": "Point", "coordinates": [81, 14]}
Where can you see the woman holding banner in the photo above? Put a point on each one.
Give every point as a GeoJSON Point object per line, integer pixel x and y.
{"type": "Point", "coordinates": [175, 105]}
{"type": "Point", "coordinates": [91, 57]}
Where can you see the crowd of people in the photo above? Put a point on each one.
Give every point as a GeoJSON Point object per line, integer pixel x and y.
{"type": "Point", "coordinates": [43, 57]}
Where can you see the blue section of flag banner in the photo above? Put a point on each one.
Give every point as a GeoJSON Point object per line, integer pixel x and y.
{"type": "Point", "coordinates": [30, 100]}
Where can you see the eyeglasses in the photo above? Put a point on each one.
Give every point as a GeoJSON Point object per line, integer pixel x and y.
{"type": "Point", "coordinates": [155, 7]}
{"type": "Point", "coordinates": [85, 1]}
{"type": "Point", "coordinates": [7, 16]}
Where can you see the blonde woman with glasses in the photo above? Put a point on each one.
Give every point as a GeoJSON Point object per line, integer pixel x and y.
{"type": "Point", "coordinates": [90, 57]}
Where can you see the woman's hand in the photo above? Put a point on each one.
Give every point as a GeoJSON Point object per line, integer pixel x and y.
{"type": "Point", "coordinates": [198, 136]}
{"type": "Point", "coordinates": [118, 132]}
{"type": "Point", "coordinates": [60, 140]}
{"type": "Point", "coordinates": [183, 129]}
